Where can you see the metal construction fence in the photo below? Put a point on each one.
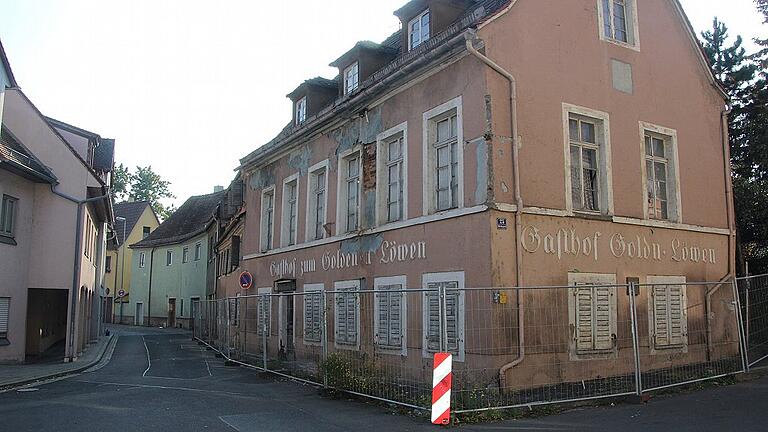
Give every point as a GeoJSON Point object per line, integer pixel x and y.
{"type": "Point", "coordinates": [512, 347]}
{"type": "Point", "coordinates": [753, 294]}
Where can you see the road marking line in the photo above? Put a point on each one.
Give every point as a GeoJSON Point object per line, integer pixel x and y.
{"type": "Point", "coordinates": [207, 366]}
{"type": "Point", "coordinates": [149, 361]}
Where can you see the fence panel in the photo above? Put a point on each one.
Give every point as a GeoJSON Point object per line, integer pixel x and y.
{"type": "Point", "coordinates": [576, 344]}
{"type": "Point", "coordinates": [380, 343]}
{"type": "Point", "coordinates": [688, 332]}
{"type": "Point", "coordinates": [753, 295]}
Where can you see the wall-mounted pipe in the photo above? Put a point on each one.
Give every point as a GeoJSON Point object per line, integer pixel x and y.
{"type": "Point", "coordinates": [70, 351]}
{"type": "Point", "coordinates": [470, 36]}
{"type": "Point", "coordinates": [731, 217]}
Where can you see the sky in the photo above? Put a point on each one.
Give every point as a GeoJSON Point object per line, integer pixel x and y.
{"type": "Point", "coordinates": [189, 88]}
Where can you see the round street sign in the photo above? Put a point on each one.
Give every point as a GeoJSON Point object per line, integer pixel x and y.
{"type": "Point", "coordinates": [121, 293]}
{"type": "Point", "coordinates": [246, 280]}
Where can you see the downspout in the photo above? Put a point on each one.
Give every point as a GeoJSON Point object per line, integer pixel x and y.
{"type": "Point", "coordinates": [149, 298]}
{"type": "Point", "coordinates": [69, 351]}
{"type": "Point", "coordinates": [518, 201]}
{"type": "Point", "coordinates": [731, 226]}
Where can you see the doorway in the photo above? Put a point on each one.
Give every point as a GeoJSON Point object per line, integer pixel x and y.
{"type": "Point", "coordinates": [287, 349]}
{"type": "Point", "coordinates": [139, 319]}
{"type": "Point", "coordinates": [46, 324]}
{"type": "Point", "coordinates": [171, 313]}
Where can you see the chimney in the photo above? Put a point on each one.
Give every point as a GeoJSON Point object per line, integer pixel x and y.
{"type": "Point", "coordinates": [218, 189]}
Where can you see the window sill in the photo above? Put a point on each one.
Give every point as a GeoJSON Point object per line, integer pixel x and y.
{"type": "Point", "coordinates": [8, 240]}
{"type": "Point", "coordinates": [592, 216]}
{"type": "Point", "coordinates": [626, 45]}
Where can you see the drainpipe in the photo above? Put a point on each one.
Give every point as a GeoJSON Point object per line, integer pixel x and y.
{"type": "Point", "coordinates": [149, 299]}
{"type": "Point", "coordinates": [731, 226]}
{"type": "Point", "coordinates": [518, 201]}
{"type": "Point", "coordinates": [70, 346]}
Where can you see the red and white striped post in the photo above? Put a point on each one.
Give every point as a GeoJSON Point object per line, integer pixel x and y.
{"type": "Point", "coordinates": [441, 389]}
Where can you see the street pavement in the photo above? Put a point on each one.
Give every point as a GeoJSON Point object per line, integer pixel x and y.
{"type": "Point", "coordinates": [160, 380]}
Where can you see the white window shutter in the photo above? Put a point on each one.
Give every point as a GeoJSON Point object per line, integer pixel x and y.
{"type": "Point", "coordinates": [312, 317]}
{"type": "Point", "coordinates": [670, 322]}
{"type": "Point", "coordinates": [584, 318]}
{"type": "Point", "coordinates": [593, 312]}
{"type": "Point", "coordinates": [264, 315]}
{"type": "Point", "coordinates": [341, 319]}
{"type": "Point", "coordinates": [382, 309]}
{"type": "Point", "coordinates": [395, 335]}
{"type": "Point", "coordinates": [5, 306]}
{"type": "Point", "coordinates": [604, 326]}
{"type": "Point", "coordinates": [433, 310]}
{"type": "Point", "coordinates": [660, 317]}
{"type": "Point", "coordinates": [452, 320]}
{"type": "Point", "coordinates": [351, 315]}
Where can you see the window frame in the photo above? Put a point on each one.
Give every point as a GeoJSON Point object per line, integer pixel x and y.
{"type": "Point", "coordinates": [446, 277]}
{"type": "Point", "coordinates": [632, 24]}
{"type": "Point", "coordinates": [107, 264]}
{"type": "Point", "coordinates": [285, 217]}
{"type": "Point", "coordinates": [348, 87]}
{"type": "Point", "coordinates": [603, 138]}
{"type": "Point", "coordinates": [597, 279]}
{"type": "Point", "coordinates": [300, 111]}
{"type": "Point", "coordinates": [378, 284]}
{"type": "Point", "coordinates": [419, 18]}
{"type": "Point", "coordinates": [353, 286]}
{"type": "Point", "coordinates": [142, 259]}
{"type": "Point", "coordinates": [382, 173]}
{"type": "Point", "coordinates": [169, 258]}
{"type": "Point", "coordinates": [311, 221]}
{"type": "Point", "coordinates": [185, 255]}
{"type": "Point", "coordinates": [309, 289]}
{"type": "Point", "coordinates": [198, 251]}
{"type": "Point", "coordinates": [674, 196]}
{"type": "Point", "coordinates": [267, 230]}
{"type": "Point", "coordinates": [652, 282]}
{"type": "Point", "coordinates": [342, 195]}
{"type": "Point", "coordinates": [4, 216]}
{"type": "Point", "coordinates": [430, 120]}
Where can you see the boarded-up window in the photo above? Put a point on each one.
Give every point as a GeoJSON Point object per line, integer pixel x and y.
{"type": "Point", "coordinates": [453, 317]}
{"type": "Point", "coordinates": [668, 317]}
{"type": "Point", "coordinates": [313, 314]}
{"type": "Point", "coordinates": [390, 304]}
{"type": "Point", "coordinates": [592, 314]}
{"type": "Point", "coordinates": [5, 310]}
{"type": "Point", "coordinates": [347, 305]}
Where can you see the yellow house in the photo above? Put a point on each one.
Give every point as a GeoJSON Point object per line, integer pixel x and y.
{"type": "Point", "coordinates": [133, 222]}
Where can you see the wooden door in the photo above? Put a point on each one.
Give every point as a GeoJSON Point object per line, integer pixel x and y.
{"type": "Point", "coordinates": [171, 313]}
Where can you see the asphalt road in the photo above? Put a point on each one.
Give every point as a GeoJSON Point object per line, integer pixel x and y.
{"type": "Point", "coordinates": [163, 381]}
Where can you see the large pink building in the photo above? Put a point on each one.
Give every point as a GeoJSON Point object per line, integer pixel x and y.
{"type": "Point", "coordinates": [499, 144]}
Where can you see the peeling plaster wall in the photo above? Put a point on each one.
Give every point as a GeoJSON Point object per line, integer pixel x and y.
{"type": "Point", "coordinates": [463, 78]}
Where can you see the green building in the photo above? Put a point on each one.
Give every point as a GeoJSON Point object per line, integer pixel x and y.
{"type": "Point", "coordinates": [170, 266]}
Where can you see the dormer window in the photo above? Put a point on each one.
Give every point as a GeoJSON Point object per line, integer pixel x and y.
{"type": "Point", "coordinates": [301, 110]}
{"type": "Point", "coordinates": [418, 30]}
{"type": "Point", "coordinates": [351, 78]}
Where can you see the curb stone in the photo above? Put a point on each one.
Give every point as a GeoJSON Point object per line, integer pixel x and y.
{"type": "Point", "coordinates": [83, 367]}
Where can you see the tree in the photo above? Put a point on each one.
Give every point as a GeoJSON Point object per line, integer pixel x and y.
{"type": "Point", "coordinates": [143, 185]}
{"type": "Point", "coordinates": [748, 92]}
{"type": "Point", "coordinates": [121, 179]}
{"type": "Point", "coordinates": [146, 185]}
{"type": "Point", "coordinates": [762, 55]}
